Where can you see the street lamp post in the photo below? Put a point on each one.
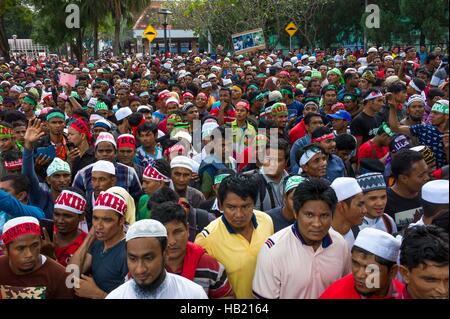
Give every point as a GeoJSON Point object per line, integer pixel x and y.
{"type": "Point", "coordinates": [165, 13]}
{"type": "Point", "coordinates": [15, 45]}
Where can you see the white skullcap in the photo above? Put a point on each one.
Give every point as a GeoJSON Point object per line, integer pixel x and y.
{"type": "Point", "coordinates": [104, 166]}
{"type": "Point", "coordinates": [379, 243]}
{"type": "Point", "coordinates": [144, 107]}
{"type": "Point", "coordinates": [181, 161]}
{"type": "Point", "coordinates": [346, 187]}
{"type": "Point", "coordinates": [261, 61]}
{"type": "Point", "coordinates": [305, 56]}
{"type": "Point", "coordinates": [208, 128]}
{"type": "Point", "coordinates": [182, 134]}
{"type": "Point", "coordinates": [172, 100]}
{"type": "Point", "coordinates": [20, 226]}
{"type": "Point", "coordinates": [372, 50]}
{"type": "Point", "coordinates": [247, 63]}
{"type": "Point", "coordinates": [274, 95]}
{"type": "Point", "coordinates": [146, 228]}
{"type": "Point", "coordinates": [212, 76]}
{"type": "Point", "coordinates": [294, 60]}
{"type": "Point", "coordinates": [123, 112]}
{"type": "Point", "coordinates": [105, 137]}
{"type": "Point", "coordinates": [436, 191]}
{"type": "Point", "coordinates": [287, 63]}
{"type": "Point", "coordinates": [95, 117]}
{"type": "Point", "coordinates": [312, 59]}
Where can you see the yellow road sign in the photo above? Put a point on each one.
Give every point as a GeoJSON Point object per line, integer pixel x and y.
{"type": "Point", "coordinates": [291, 28]}
{"type": "Point", "coordinates": [150, 33]}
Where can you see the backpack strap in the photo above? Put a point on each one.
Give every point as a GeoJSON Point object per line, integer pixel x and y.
{"type": "Point", "coordinates": [387, 223]}
{"type": "Point", "coordinates": [272, 197]}
{"type": "Point", "coordinates": [262, 191]}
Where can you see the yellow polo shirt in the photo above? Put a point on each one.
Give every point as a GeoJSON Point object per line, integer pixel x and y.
{"type": "Point", "coordinates": [234, 252]}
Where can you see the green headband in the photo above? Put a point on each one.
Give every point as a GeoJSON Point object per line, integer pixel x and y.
{"type": "Point", "coordinates": [55, 115]}
{"type": "Point", "coordinates": [293, 182]}
{"type": "Point", "coordinates": [100, 106]}
{"type": "Point", "coordinates": [29, 100]}
{"type": "Point", "coordinates": [286, 91]}
{"type": "Point", "coordinates": [219, 178]}
{"type": "Point", "coordinates": [181, 125]}
{"type": "Point", "coordinates": [384, 128]}
{"type": "Point", "coordinates": [440, 107]}
{"type": "Point", "coordinates": [252, 86]}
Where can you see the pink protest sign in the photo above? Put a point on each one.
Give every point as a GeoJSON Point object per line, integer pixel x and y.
{"type": "Point", "coordinates": [66, 78]}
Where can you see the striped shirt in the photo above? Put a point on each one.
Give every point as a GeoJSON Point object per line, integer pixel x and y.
{"type": "Point", "coordinates": [211, 275]}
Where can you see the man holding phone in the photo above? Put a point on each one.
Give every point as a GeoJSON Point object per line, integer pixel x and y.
{"type": "Point", "coordinates": [58, 173]}
{"type": "Point", "coordinates": [62, 236]}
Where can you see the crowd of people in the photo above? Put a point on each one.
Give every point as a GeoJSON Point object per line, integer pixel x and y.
{"type": "Point", "coordinates": [192, 176]}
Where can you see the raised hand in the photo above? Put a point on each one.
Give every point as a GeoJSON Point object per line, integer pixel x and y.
{"type": "Point", "coordinates": [34, 133]}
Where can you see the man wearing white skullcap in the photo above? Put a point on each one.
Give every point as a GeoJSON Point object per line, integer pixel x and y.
{"type": "Point", "coordinates": [149, 279]}
{"type": "Point", "coordinates": [103, 252]}
{"type": "Point", "coordinates": [181, 171]}
{"type": "Point", "coordinates": [434, 201]}
{"type": "Point", "coordinates": [24, 272]}
{"type": "Point", "coordinates": [374, 268]}
{"type": "Point", "coordinates": [350, 210]}
{"type": "Point", "coordinates": [106, 152]}
{"type": "Point", "coordinates": [122, 115]}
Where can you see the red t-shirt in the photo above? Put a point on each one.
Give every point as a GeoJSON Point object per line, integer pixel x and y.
{"type": "Point", "coordinates": [297, 132]}
{"type": "Point", "coordinates": [344, 288]}
{"type": "Point", "coordinates": [64, 253]}
{"type": "Point", "coordinates": [370, 150]}
{"type": "Point", "coordinates": [229, 115]}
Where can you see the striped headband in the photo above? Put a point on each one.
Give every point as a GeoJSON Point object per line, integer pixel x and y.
{"type": "Point", "coordinates": [6, 131]}
{"type": "Point", "coordinates": [71, 201]}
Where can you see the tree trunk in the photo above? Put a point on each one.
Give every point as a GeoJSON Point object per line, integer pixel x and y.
{"type": "Point", "coordinates": [80, 46]}
{"type": "Point", "coordinates": [117, 15]}
{"type": "Point", "coordinates": [4, 45]}
{"type": "Point", "coordinates": [96, 39]}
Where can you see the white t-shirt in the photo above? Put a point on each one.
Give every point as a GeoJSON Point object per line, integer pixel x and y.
{"type": "Point", "coordinates": [173, 287]}
{"type": "Point", "coordinates": [287, 268]}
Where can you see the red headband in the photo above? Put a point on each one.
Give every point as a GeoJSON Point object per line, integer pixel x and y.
{"type": "Point", "coordinates": [188, 94]}
{"type": "Point", "coordinates": [135, 128]}
{"type": "Point", "coordinates": [12, 165]}
{"type": "Point", "coordinates": [126, 141]}
{"type": "Point", "coordinates": [152, 173]}
{"type": "Point", "coordinates": [20, 230]}
{"type": "Point", "coordinates": [323, 138]}
{"type": "Point", "coordinates": [203, 95]}
{"type": "Point", "coordinates": [81, 127]}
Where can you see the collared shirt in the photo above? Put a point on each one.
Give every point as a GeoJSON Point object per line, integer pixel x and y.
{"type": "Point", "coordinates": [126, 178]}
{"type": "Point", "coordinates": [234, 251]}
{"type": "Point", "coordinates": [288, 268]}
{"type": "Point", "coordinates": [144, 159]}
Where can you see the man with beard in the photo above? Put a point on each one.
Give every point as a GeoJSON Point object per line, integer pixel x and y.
{"type": "Point", "coordinates": [58, 173]}
{"type": "Point", "coordinates": [103, 251]}
{"type": "Point", "coordinates": [24, 272]}
{"type": "Point", "coordinates": [146, 244]}
{"type": "Point", "coordinates": [373, 249]}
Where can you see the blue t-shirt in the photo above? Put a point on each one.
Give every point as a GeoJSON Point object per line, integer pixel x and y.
{"type": "Point", "coordinates": [295, 109]}
{"type": "Point", "coordinates": [158, 115]}
{"type": "Point", "coordinates": [430, 136]}
{"type": "Point", "coordinates": [109, 267]}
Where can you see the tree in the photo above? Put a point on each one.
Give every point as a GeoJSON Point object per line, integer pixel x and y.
{"type": "Point", "coordinates": [120, 9]}
{"type": "Point", "coordinates": [430, 18]}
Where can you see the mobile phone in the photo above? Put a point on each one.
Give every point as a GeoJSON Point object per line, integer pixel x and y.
{"type": "Point", "coordinates": [48, 224]}
{"type": "Point", "coordinates": [49, 151]}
